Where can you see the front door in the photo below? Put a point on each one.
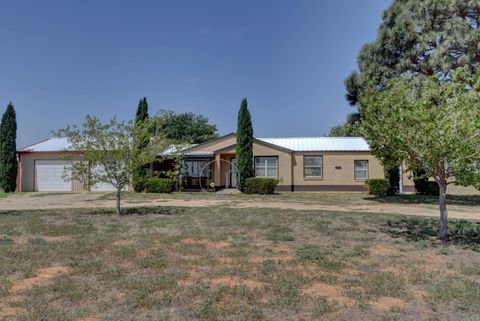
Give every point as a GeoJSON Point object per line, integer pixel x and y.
{"type": "Point", "coordinates": [233, 173]}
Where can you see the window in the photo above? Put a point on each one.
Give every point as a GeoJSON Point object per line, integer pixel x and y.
{"type": "Point", "coordinates": [361, 169]}
{"type": "Point", "coordinates": [313, 166]}
{"type": "Point", "coordinates": [195, 166]}
{"type": "Point", "coordinates": [266, 166]}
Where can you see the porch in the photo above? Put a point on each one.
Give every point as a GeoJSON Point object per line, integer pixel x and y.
{"type": "Point", "coordinates": [219, 169]}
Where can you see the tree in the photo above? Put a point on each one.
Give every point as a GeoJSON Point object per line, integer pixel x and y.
{"type": "Point", "coordinates": [142, 110]}
{"type": "Point", "coordinates": [433, 124]}
{"type": "Point", "coordinates": [109, 148]}
{"type": "Point", "coordinates": [8, 150]}
{"type": "Point", "coordinates": [140, 173]}
{"type": "Point", "coordinates": [348, 129]}
{"type": "Point", "coordinates": [244, 145]}
{"type": "Point", "coordinates": [186, 128]}
{"type": "Point", "coordinates": [417, 38]}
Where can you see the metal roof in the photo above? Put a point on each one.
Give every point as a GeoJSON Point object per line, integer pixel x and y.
{"type": "Point", "coordinates": [319, 144]}
{"type": "Point", "coordinates": [48, 145]}
{"type": "Point", "coordinates": [298, 144]}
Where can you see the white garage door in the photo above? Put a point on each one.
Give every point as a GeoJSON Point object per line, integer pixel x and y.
{"type": "Point", "coordinates": [49, 176]}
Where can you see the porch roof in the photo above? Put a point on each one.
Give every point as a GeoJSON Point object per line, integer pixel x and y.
{"type": "Point", "coordinates": [183, 149]}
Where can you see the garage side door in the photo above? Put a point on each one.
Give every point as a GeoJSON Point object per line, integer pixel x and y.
{"type": "Point", "coordinates": [48, 176]}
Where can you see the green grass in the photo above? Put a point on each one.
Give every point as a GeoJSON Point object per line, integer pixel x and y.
{"type": "Point", "coordinates": [3, 194]}
{"type": "Point", "coordinates": [224, 263]}
{"type": "Point", "coordinates": [279, 233]}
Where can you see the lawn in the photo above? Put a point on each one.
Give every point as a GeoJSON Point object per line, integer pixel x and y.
{"type": "Point", "coordinates": [457, 196]}
{"type": "Point", "coordinates": [221, 263]}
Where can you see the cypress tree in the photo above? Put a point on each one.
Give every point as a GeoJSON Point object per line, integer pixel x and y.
{"type": "Point", "coordinates": [244, 145]}
{"type": "Point", "coordinates": [8, 150]}
{"type": "Point", "coordinates": [139, 176]}
{"type": "Point", "coordinates": [142, 110]}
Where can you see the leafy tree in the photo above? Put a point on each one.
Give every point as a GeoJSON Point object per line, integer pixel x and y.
{"type": "Point", "coordinates": [140, 174]}
{"type": "Point", "coordinates": [339, 131]}
{"type": "Point", "coordinates": [8, 150]}
{"type": "Point", "coordinates": [244, 145]}
{"type": "Point", "coordinates": [186, 127]}
{"type": "Point", "coordinates": [110, 147]}
{"type": "Point", "coordinates": [433, 124]}
{"type": "Point", "coordinates": [418, 38]}
{"type": "Point", "coordinates": [348, 129]}
{"type": "Point", "coordinates": [178, 174]}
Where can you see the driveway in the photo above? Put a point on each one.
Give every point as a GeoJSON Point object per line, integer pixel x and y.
{"type": "Point", "coordinates": [31, 201]}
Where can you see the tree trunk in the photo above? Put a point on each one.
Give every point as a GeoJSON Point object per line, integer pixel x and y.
{"type": "Point", "coordinates": [118, 195]}
{"type": "Point", "coordinates": [442, 198]}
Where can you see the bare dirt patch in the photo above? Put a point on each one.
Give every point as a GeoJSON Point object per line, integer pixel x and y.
{"type": "Point", "coordinates": [56, 238]}
{"type": "Point", "coordinates": [6, 310]}
{"type": "Point", "coordinates": [279, 258]}
{"type": "Point", "coordinates": [419, 294]}
{"type": "Point", "coordinates": [120, 296]}
{"type": "Point", "coordinates": [189, 257]}
{"type": "Point", "coordinates": [140, 254]}
{"type": "Point", "coordinates": [207, 243]}
{"type": "Point", "coordinates": [330, 292]}
{"type": "Point", "coordinates": [383, 250]}
{"type": "Point", "coordinates": [88, 319]}
{"type": "Point", "coordinates": [43, 276]}
{"type": "Point", "coordinates": [122, 243]}
{"type": "Point", "coordinates": [232, 281]}
{"type": "Point", "coordinates": [387, 303]}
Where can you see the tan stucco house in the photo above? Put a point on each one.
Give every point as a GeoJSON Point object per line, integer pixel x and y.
{"type": "Point", "coordinates": [299, 163]}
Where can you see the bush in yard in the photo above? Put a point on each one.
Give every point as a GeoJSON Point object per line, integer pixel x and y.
{"type": "Point", "coordinates": [158, 185]}
{"type": "Point", "coordinates": [425, 187]}
{"type": "Point", "coordinates": [432, 189]}
{"type": "Point", "coordinates": [378, 186]}
{"type": "Point", "coordinates": [260, 185]}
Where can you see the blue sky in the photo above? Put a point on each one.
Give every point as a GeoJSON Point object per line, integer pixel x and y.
{"type": "Point", "coordinates": [63, 59]}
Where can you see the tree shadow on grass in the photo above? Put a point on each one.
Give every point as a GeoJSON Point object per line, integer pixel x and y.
{"type": "Point", "coordinates": [460, 232]}
{"type": "Point", "coordinates": [141, 210]}
{"type": "Point", "coordinates": [468, 200]}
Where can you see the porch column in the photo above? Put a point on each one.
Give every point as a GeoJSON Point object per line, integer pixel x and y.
{"type": "Point", "coordinates": [217, 172]}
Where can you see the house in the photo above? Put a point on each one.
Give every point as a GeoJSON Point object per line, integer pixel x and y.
{"type": "Point", "coordinates": [299, 163]}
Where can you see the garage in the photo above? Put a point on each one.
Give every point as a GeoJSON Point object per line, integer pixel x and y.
{"type": "Point", "coordinates": [49, 176]}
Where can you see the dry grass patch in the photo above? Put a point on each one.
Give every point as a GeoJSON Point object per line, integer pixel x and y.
{"type": "Point", "coordinates": [388, 303]}
{"type": "Point", "coordinates": [233, 281]}
{"type": "Point", "coordinates": [230, 264]}
{"type": "Point", "coordinates": [331, 293]}
{"type": "Point", "coordinates": [43, 276]}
